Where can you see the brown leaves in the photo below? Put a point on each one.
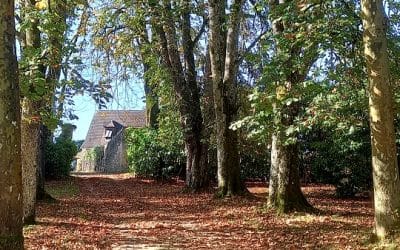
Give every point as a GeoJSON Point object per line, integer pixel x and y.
{"type": "Point", "coordinates": [118, 211]}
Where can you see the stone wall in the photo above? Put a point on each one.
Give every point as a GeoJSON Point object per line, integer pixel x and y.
{"type": "Point", "coordinates": [109, 159]}
{"type": "Point", "coordinates": [115, 156]}
{"type": "Point", "coordinates": [89, 160]}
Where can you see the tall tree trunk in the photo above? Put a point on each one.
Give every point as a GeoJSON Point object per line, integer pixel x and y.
{"type": "Point", "coordinates": [41, 194]}
{"type": "Point", "coordinates": [285, 194]}
{"type": "Point", "coordinates": [224, 67]}
{"type": "Point", "coordinates": [152, 101]}
{"type": "Point", "coordinates": [273, 173]}
{"type": "Point", "coordinates": [152, 107]}
{"type": "Point", "coordinates": [30, 136]}
{"type": "Point", "coordinates": [186, 90]}
{"type": "Point", "coordinates": [384, 158]}
{"type": "Point", "coordinates": [10, 140]}
{"type": "Point", "coordinates": [30, 123]}
{"type": "Point", "coordinates": [209, 117]}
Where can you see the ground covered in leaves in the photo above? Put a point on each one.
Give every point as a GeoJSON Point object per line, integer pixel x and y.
{"type": "Point", "coordinates": [123, 212]}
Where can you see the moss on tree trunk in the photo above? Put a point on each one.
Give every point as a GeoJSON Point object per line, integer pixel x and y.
{"type": "Point", "coordinates": [286, 195]}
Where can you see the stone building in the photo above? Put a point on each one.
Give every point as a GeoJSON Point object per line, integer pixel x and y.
{"type": "Point", "coordinates": [104, 148]}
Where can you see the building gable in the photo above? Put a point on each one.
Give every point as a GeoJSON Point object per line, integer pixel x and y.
{"type": "Point", "coordinates": [103, 118]}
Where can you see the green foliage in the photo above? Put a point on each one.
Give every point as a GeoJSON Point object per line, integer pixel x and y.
{"type": "Point", "coordinates": [94, 155]}
{"type": "Point", "coordinates": [58, 157]}
{"type": "Point", "coordinates": [150, 155]}
{"type": "Point", "coordinates": [254, 160]}
{"type": "Point", "coordinates": [340, 158]}
{"type": "Point", "coordinates": [143, 151]}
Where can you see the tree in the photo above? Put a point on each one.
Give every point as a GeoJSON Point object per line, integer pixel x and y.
{"type": "Point", "coordinates": [384, 158]}
{"type": "Point", "coordinates": [10, 161]}
{"type": "Point", "coordinates": [33, 89]}
{"type": "Point", "coordinates": [223, 46]}
{"type": "Point", "coordinates": [184, 84]}
{"type": "Point", "coordinates": [284, 188]}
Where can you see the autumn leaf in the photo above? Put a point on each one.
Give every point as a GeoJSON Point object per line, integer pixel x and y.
{"type": "Point", "coordinates": [41, 5]}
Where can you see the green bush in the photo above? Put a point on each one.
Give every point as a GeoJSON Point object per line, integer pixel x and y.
{"type": "Point", "coordinates": [254, 160]}
{"type": "Point", "coordinates": [149, 156]}
{"type": "Point", "coordinates": [340, 159]}
{"type": "Point", "coordinates": [58, 158]}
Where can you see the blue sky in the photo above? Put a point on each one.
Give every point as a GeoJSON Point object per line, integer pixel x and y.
{"type": "Point", "coordinates": [125, 97]}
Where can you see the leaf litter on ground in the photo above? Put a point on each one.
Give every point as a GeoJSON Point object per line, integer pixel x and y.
{"type": "Point", "coordinates": [123, 212]}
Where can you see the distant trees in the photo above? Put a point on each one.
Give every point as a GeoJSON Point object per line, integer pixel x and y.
{"type": "Point", "coordinates": [10, 137]}
{"type": "Point", "coordinates": [60, 154]}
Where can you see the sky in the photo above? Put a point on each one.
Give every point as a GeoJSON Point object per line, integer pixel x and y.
{"type": "Point", "coordinates": [124, 98]}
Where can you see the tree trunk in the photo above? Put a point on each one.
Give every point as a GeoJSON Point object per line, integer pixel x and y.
{"type": "Point", "coordinates": [30, 137]}
{"type": "Point", "coordinates": [10, 141]}
{"type": "Point", "coordinates": [273, 174]}
{"type": "Point", "coordinates": [209, 118]}
{"type": "Point", "coordinates": [30, 123]}
{"type": "Point", "coordinates": [285, 195]}
{"type": "Point", "coordinates": [152, 107]}
{"type": "Point", "coordinates": [196, 167]}
{"type": "Point", "coordinates": [41, 194]}
{"type": "Point", "coordinates": [224, 67]}
{"type": "Point", "coordinates": [384, 159]}
{"type": "Point", "coordinates": [58, 9]}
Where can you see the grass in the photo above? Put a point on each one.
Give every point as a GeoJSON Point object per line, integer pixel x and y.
{"type": "Point", "coordinates": [62, 189]}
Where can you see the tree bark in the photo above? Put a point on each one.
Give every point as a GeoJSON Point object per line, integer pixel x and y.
{"type": "Point", "coordinates": [30, 136]}
{"type": "Point", "coordinates": [285, 193]}
{"type": "Point", "coordinates": [11, 236]}
{"type": "Point", "coordinates": [381, 112]}
{"type": "Point", "coordinates": [273, 173]}
{"type": "Point", "coordinates": [41, 194]}
{"type": "Point", "coordinates": [152, 107]}
{"type": "Point", "coordinates": [224, 66]}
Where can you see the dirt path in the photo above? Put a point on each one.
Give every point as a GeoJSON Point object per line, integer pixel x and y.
{"type": "Point", "coordinates": [121, 212]}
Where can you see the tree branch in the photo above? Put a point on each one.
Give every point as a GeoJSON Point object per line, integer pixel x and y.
{"type": "Point", "coordinates": [202, 30]}
{"type": "Point", "coordinates": [251, 46]}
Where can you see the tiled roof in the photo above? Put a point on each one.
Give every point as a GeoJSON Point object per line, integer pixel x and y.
{"type": "Point", "coordinates": [102, 118]}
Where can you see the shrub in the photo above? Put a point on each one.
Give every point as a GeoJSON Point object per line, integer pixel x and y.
{"type": "Point", "coordinates": [58, 158]}
{"type": "Point", "coordinates": [149, 156]}
{"type": "Point", "coordinates": [340, 159]}
{"type": "Point", "coordinates": [254, 160]}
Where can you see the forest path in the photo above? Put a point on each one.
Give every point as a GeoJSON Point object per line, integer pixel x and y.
{"type": "Point", "coordinates": [123, 212]}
